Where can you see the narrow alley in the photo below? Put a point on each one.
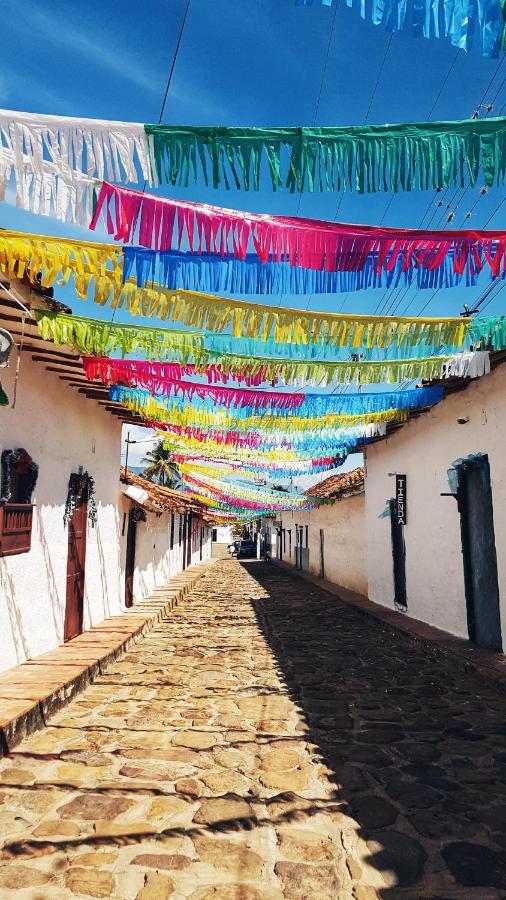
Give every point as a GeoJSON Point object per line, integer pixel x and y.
{"type": "Point", "coordinates": [265, 741]}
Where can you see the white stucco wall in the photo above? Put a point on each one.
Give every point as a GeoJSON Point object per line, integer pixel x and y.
{"type": "Point", "coordinates": [223, 534]}
{"type": "Point", "coordinates": [344, 541]}
{"type": "Point", "coordinates": [424, 449]}
{"type": "Point", "coordinates": [61, 430]}
{"type": "Point", "coordinates": [155, 562]}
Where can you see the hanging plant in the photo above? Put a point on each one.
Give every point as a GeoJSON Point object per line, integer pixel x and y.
{"type": "Point", "coordinates": [81, 490]}
{"type": "Point", "coordinates": [19, 476]}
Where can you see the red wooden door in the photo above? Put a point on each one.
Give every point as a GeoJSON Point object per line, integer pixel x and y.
{"type": "Point", "coordinates": [75, 570]}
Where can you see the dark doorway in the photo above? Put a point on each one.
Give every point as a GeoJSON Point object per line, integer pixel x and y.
{"type": "Point", "coordinates": [322, 553]}
{"type": "Point", "coordinates": [135, 516]}
{"type": "Point", "coordinates": [76, 560]}
{"type": "Point", "coordinates": [185, 524]}
{"type": "Point", "coordinates": [201, 538]}
{"type": "Point", "coordinates": [479, 553]}
{"type": "Point", "coordinates": [398, 556]}
{"type": "Point", "coordinates": [189, 540]}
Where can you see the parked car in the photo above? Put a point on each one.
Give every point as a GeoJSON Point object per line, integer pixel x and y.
{"type": "Point", "coordinates": [247, 549]}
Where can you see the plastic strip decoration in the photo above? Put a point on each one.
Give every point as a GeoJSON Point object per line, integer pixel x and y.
{"type": "Point", "coordinates": [107, 266]}
{"type": "Point", "coordinates": [219, 368]}
{"type": "Point", "coordinates": [57, 161]}
{"type": "Point", "coordinates": [160, 223]}
{"type": "Point", "coordinates": [209, 272]}
{"type": "Point", "coordinates": [365, 158]}
{"type": "Point", "coordinates": [463, 23]}
{"type": "Point", "coordinates": [50, 156]}
{"type": "Point", "coordinates": [291, 440]}
{"type": "Point", "coordinates": [89, 336]}
{"type": "Point", "coordinates": [58, 259]}
{"type": "Point", "coordinates": [311, 405]}
{"type": "Point", "coordinates": [187, 416]}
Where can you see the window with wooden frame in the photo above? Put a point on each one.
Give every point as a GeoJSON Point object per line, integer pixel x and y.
{"type": "Point", "coordinates": [19, 476]}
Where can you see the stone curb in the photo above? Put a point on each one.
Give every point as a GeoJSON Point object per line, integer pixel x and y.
{"type": "Point", "coordinates": [488, 665]}
{"type": "Point", "coordinates": [32, 692]}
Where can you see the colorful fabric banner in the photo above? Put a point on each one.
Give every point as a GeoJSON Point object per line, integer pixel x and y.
{"type": "Point", "coordinates": [488, 332]}
{"type": "Point", "coordinates": [56, 260]}
{"type": "Point", "coordinates": [89, 336]}
{"type": "Point", "coordinates": [365, 158]}
{"type": "Point", "coordinates": [211, 273]}
{"type": "Point", "coordinates": [57, 161]}
{"type": "Point", "coordinates": [311, 405]}
{"type": "Point", "coordinates": [461, 22]}
{"type": "Point", "coordinates": [302, 445]}
{"type": "Point", "coordinates": [188, 416]}
{"type": "Point", "coordinates": [163, 224]}
{"type": "Point", "coordinates": [301, 442]}
{"type": "Point", "coordinates": [218, 368]}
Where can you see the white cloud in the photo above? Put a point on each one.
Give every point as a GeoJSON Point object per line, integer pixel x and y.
{"type": "Point", "coordinates": [51, 30]}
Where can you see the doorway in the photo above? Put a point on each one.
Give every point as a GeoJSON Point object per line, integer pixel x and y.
{"type": "Point", "coordinates": [398, 556]}
{"type": "Point", "coordinates": [322, 553]}
{"type": "Point", "coordinates": [76, 560]}
{"type": "Point", "coordinates": [474, 494]}
{"type": "Point", "coordinates": [189, 538]}
{"type": "Point", "coordinates": [135, 515]}
{"type": "Point", "coordinates": [183, 520]}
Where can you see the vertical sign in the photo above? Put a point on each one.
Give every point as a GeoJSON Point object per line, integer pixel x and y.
{"type": "Point", "coordinates": [400, 497]}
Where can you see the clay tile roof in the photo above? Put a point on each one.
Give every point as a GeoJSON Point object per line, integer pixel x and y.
{"type": "Point", "coordinates": [162, 499]}
{"type": "Point", "coordinates": [338, 486]}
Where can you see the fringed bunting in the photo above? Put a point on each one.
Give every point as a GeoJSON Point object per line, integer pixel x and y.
{"type": "Point", "coordinates": [57, 160]}
{"type": "Point", "coordinates": [293, 326]}
{"type": "Point", "coordinates": [189, 416]}
{"type": "Point", "coordinates": [311, 405]}
{"type": "Point", "coordinates": [217, 368]}
{"type": "Point", "coordinates": [211, 273]}
{"type": "Point", "coordinates": [163, 224]}
{"type": "Point", "coordinates": [488, 332]}
{"type": "Point", "coordinates": [89, 336]}
{"type": "Point", "coordinates": [463, 22]}
{"type": "Point", "coordinates": [46, 191]}
{"type": "Point", "coordinates": [56, 260]}
{"type": "Point", "coordinates": [365, 158]}
{"type": "Point", "coordinates": [323, 439]}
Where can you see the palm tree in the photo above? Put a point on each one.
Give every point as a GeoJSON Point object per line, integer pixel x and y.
{"type": "Point", "coordinates": [159, 466]}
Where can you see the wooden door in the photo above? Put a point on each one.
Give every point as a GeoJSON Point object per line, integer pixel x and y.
{"type": "Point", "coordinates": [479, 553]}
{"type": "Point", "coordinates": [75, 570]}
{"type": "Point", "coordinates": [130, 559]}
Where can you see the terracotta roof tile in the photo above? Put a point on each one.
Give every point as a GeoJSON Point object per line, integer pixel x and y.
{"type": "Point", "coordinates": [163, 499]}
{"type": "Point", "coordinates": [338, 486]}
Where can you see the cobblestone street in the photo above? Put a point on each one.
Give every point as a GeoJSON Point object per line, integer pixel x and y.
{"type": "Point", "coordinates": [265, 741]}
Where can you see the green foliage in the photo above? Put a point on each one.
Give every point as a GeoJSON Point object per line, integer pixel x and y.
{"type": "Point", "coordinates": [159, 466]}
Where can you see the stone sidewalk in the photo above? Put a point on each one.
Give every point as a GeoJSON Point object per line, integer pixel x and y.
{"type": "Point", "coordinates": [263, 742]}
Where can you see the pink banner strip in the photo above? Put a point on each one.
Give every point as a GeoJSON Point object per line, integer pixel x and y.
{"type": "Point", "coordinates": [164, 224]}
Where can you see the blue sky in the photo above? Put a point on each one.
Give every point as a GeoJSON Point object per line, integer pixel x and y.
{"type": "Point", "coordinates": [249, 62]}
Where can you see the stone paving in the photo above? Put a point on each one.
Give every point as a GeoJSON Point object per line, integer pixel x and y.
{"type": "Point", "coordinates": [263, 742]}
